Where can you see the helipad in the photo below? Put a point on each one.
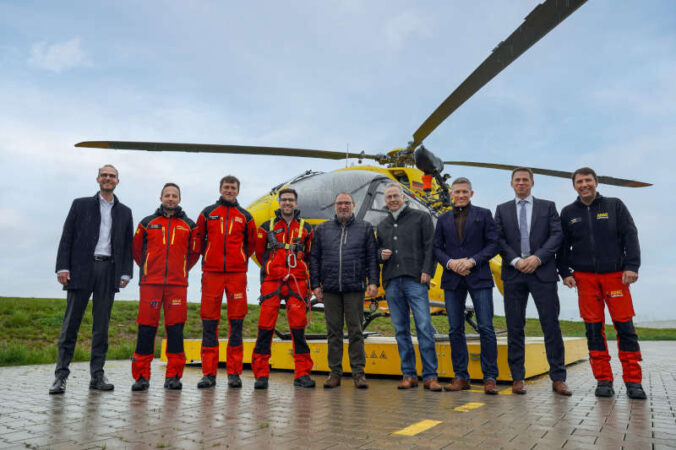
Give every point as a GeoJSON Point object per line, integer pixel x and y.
{"type": "Point", "coordinates": [285, 417]}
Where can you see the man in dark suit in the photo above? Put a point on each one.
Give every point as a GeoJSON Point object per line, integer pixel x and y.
{"type": "Point", "coordinates": [464, 241]}
{"type": "Point", "coordinates": [529, 235]}
{"type": "Point", "coordinates": [95, 256]}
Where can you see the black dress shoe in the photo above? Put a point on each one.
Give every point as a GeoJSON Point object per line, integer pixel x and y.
{"type": "Point", "coordinates": [173, 384]}
{"type": "Point", "coordinates": [234, 381]}
{"type": "Point", "coordinates": [207, 381]}
{"type": "Point", "coordinates": [58, 386]}
{"type": "Point", "coordinates": [140, 385]}
{"type": "Point", "coordinates": [305, 382]}
{"type": "Point", "coordinates": [100, 383]}
{"type": "Point", "coordinates": [261, 383]}
{"type": "Point", "coordinates": [635, 391]}
{"type": "Point", "coordinates": [604, 388]}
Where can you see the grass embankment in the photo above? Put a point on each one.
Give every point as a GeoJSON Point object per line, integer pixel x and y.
{"type": "Point", "coordinates": [29, 329]}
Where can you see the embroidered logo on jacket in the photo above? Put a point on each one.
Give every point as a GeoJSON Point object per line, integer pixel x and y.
{"type": "Point", "coordinates": [600, 216]}
{"type": "Point", "coordinates": [614, 294]}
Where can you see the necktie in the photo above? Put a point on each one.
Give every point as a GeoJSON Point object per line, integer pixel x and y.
{"type": "Point", "coordinates": [523, 229]}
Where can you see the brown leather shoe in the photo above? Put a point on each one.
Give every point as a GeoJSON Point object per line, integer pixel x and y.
{"type": "Point", "coordinates": [360, 382]}
{"type": "Point", "coordinates": [490, 388]}
{"type": "Point", "coordinates": [332, 381]}
{"type": "Point", "coordinates": [561, 388]}
{"type": "Point", "coordinates": [519, 387]}
{"type": "Point", "coordinates": [458, 384]}
{"type": "Point", "coordinates": [432, 385]}
{"type": "Point", "coordinates": [408, 383]}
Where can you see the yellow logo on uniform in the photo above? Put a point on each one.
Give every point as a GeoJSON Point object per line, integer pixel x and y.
{"type": "Point", "coordinates": [602, 216]}
{"type": "Point", "coordinates": [614, 294]}
{"type": "Point", "coordinates": [238, 295]}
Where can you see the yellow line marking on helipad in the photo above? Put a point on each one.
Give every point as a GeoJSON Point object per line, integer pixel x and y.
{"type": "Point", "coordinates": [418, 427]}
{"type": "Point", "coordinates": [506, 391]}
{"type": "Point", "coordinates": [468, 406]}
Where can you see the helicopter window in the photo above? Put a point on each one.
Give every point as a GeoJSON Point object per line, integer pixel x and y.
{"type": "Point", "coordinates": [377, 212]}
{"type": "Point", "coordinates": [316, 194]}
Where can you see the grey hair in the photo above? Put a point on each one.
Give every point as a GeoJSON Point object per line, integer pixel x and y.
{"type": "Point", "coordinates": [394, 185]}
{"type": "Point", "coordinates": [111, 166]}
{"type": "Point", "coordinates": [343, 193]}
{"type": "Point", "coordinates": [462, 180]}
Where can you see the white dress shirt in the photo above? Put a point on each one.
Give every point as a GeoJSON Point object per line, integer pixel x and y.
{"type": "Point", "coordinates": [529, 216]}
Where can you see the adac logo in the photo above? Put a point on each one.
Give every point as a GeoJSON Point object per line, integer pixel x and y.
{"type": "Point", "coordinates": [601, 216]}
{"type": "Point", "coordinates": [575, 220]}
{"type": "Point", "coordinates": [615, 294]}
{"type": "Point", "coordinates": [179, 227]}
{"type": "Point", "coordinates": [238, 219]}
{"type": "Point", "coordinates": [238, 295]}
{"type": "Point", "coordinates": [176, 301]}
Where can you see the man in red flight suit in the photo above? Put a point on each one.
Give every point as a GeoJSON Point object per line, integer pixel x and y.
{"type": "Point", "coordinates": [165, 247]}
{"type": "Point", "coordinates": [228, 235]}
{"type": "Point", "coordinates": [283, 249]}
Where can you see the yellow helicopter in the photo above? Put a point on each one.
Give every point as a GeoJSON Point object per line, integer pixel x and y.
{"type": "Point", "coordinates": [416, 168]}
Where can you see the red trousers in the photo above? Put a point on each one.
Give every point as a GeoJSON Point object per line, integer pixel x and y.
{"type": "Point", "coordinates": [595, 290]}
{"type": "Point", "coordinates": [213, 286]}
{"type": "Point", "coordinates": [296, 313]}
{"type": "Point", "coordinates": [154, 298]}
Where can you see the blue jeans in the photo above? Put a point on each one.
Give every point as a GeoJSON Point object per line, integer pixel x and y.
{"type": "Point", "coordinates": [406, 295]}
{"type": "Point", "coordinates": [483, 308]}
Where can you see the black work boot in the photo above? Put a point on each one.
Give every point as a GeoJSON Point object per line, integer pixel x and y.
{"type": "Point", "coordinates": [635, 391]}
{"type": "Point", "coordinates": [207, 381]}
{"type": "Point", "coordinates": [261, 383]}
{"type": "Point", "coordinates": [100, 383]}
{"type": "Point", "coordinates": [234, 381]}
{"type": "Point", "coordinates": [305, 382]}
{"type": "Point", "coordinates": [58, 386]}
{"type": "Point", "coordinates": [140, 385]}
{"type": "Point", "coordinates": [173, 383]}
{"type": "Point", "coordinates": [604, 388]}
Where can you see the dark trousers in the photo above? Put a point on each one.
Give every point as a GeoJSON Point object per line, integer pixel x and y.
{"type": "Point", "coordinates": [547, 303]}
{"type": "Point", "coordinates": [340, 307]}
{"type": "Point", "coordinates": [103, 289]}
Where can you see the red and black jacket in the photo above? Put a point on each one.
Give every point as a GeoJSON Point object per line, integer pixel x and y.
{"type": "Point", "coordinates": [166, 248]}
{"type": "Point", "coordinates": [228, 235]}
{"type": "Point", "coordinates": [273, 249]}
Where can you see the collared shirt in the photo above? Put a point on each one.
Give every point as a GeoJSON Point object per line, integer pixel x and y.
{"type": "Point", "coordinates": [529, 210]}
{"type": "Point", "coordinates": [103, 247]}
{"type": "Point", "coordinates": [396, 213]}
{"type": "Point", "coordinates": [529, 215]}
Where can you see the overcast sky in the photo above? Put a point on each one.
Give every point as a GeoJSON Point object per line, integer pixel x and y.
{"type": "Point", "coordinates": [598, 90]}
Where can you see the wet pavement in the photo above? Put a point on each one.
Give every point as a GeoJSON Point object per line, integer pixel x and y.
{"type": "Point", "coordinates": [381, 417]}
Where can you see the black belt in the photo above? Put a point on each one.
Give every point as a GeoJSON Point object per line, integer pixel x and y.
{"type": "Point", "coordinates": [101, 258]}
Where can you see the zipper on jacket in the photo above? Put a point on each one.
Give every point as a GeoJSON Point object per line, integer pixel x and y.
{"type": "Point", "coordinates": [225, 237]}
{"type": "Point", "coordinates": [591, 238]}
{"type": "Point", "coordinates": [340, 258]}
{"type": "Point", "coordinates": [166, 261]}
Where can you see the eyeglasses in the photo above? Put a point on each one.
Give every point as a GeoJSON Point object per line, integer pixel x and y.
{"type": "Point", "coordinates": [107, 175]}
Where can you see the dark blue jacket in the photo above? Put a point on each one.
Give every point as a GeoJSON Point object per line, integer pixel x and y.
{"type": "Point", "coordinates": [599, 238]}
{"type": "Point", "coordinates": [81, 234]}
{"type": "Point", "coordinates": [480, 242]}
{"type": "Point", "coordinates": [545, 238]}
{"type": "Point", "coordinates": [343, 256]}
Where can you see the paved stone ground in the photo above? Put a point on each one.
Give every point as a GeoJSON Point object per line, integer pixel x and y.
{"type": "Point", "coordinates": [294, 418]}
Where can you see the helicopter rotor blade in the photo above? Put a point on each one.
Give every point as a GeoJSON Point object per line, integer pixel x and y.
{"type": "Point", "coordinates": [552, 173]}
{"type": "Point", "coordinates": [545, 17]}
{"type": "Point", "coordinates": [234, 149]}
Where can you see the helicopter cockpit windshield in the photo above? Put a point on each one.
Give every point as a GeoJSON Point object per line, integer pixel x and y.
{"type": "Point", "coordinates": [316, 194]}
{"type": "Point", "coordinates": [377, 211]}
